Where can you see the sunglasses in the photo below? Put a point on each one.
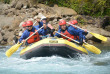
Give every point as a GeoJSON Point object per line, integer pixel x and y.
{"type": "Point", "coordinates": [28, 26]}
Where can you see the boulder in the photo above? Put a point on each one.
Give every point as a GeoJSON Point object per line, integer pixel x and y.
{"type": "Point", "coordinates": [5, 20]}
{"type": "Point", "coordinates": [98, 22]}
{"type": "Point", "coordinates": [5, 27]}
{"type": "Point", "coordinates": [64, 11]}
{"type": "Point", "coordinates": [56, 12]}
{"type": "Point", "coordinates": [107, 28]}
{"type": "Point", "coordinates": [98, 31]}
{"type": "Point", "coordinates": [1, 37]}
{"type": "Point", "coordinates": [19, 5]}
{"type": "Point", "coordinates": [3, 42]}
{"type": "Point", "coordinates": [16, 22]}
{"type": "Point", "coordinates": [10, 39]}
{"type": "Point", "coordinates": [13, 3]}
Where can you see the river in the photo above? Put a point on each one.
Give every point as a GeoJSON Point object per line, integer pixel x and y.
{"type": "Point", "coordinates": [84, 64]}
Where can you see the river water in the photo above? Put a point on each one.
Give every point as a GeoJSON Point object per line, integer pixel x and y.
{"type": "Point", "coordinates": [84, 64]}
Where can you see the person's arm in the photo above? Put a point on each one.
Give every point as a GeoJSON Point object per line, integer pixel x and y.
{"type": "Point", "coordinates": [76, 32]}
{"type": "Point", "coordinates": [52, 30]}
{"type": "Point", "coordinates": [23, 36]}
{"type": "Point", "coordinates": [84, 32]}
{"type": "Point", "coordinates": [40, 24]}
{"type": "Point", "coordinates": [58, 35]}
{"type": "Point", "coordinates": [81, 37]}
{"type": "Point", "coordinates": [42, 32]}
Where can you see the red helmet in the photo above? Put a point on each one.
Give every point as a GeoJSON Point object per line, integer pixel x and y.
{"type": "Point", "coordinates": [74, 22]}
{"type": "Point", "coordinates": [24, 24]}
{"type": "Point", "coordinates": [62, 22]}
{"type": "Point", "coordinates": [29, 23]}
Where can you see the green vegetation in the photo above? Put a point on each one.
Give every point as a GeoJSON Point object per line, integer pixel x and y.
{"type": "Point", "coordinates": [5, 1]}
{"type": "Point", "coordinates": [84, 7]}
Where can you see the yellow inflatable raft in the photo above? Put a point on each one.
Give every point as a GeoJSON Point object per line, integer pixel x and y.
{"type": "Point", "coordinates": [52, 46]}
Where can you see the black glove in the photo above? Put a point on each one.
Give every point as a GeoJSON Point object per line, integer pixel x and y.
{"type": "Point", "coordinates": [85, 33]}
{"type": "Point", "coordinates": [52, 30]}
{"type": "Point", "coordinates": [81, 41]}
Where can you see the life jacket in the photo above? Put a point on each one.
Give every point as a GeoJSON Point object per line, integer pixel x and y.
{"type": "Point", "coordinates": [34, 38]}
{"type": "Point", "coordinates": [69, 35]}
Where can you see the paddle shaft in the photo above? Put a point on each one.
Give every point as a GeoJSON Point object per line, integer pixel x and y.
{"type": "Point", "coordinates": [34, 33]}
{"type": "Point", "coordinates": [67, 37]}
{"type": "Point", "coordinates": [76, 26]}
{"type": "Point", "coordinates": [34, 23]}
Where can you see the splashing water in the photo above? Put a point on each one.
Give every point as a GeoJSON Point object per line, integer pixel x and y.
{"type": "Point", "coordinates": [84, 64]}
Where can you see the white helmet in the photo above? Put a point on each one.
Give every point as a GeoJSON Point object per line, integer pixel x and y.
{"type": "Point", "coordinates": [43, 18]}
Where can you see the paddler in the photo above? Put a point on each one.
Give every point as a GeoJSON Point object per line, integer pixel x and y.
{"type": "Point", "coordinates": [29, 31]}
{"type": "Point", "coordinates": [70, 32]}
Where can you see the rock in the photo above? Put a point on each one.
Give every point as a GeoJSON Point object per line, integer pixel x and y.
{"type": "Point", "coordinates": [5, 27]}
{"type": "Point", "coordinates": [10, 14]}
{"type": "Point", "coordinates": [98, 23]}
{"type": "Point", "coordinates": [22, 11]}
{"type": "Point", "coordinates": [19, 5]}
{"type": "Point", "coordinates": [3, 32]}
{"type": "Point", "coordinates": [1, 37]}
{"type": "Point", "coordinates": [13, 3]}
{"type": "Point", "coordinates": [55, 5]}
{"type": "Point", "coordinates": [98, 31]}
{"type": "Point", "coordinates": [34, 13]}
{"type": "Point", "coordinates": [10, 39]}
{"type": "Point", "coordinates": [104, 32]}
{"type": "Point", "coordinates": [16, 22]}
{"type": "Point", "coordinates": [10, 29]}
{"type": "Point", "coordinates": [107, 42]}
{"type": "Point", "coordinates": [64, 11]}
{"type": "Point", "coordinates": [3, 42]}
{"type": "Point", "coordinates": [90, 42]}
{"type": "Point", "coordinates": [107, 28]}
{"type": "Point", "coordinates": [55, 20]}
{"type": "Point", "coordinates": [106, 21]}
{"type": "Point", "coordinates": [12, 10]}
{"type": "Point", "coordinates": [5, 20]}
{"type": "Point", "coordinates": [89, 36]}
{"type": "Point", "coordinates": [56, 11]}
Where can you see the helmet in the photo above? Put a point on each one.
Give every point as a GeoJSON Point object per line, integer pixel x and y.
{"type": "Point", "coordinates": [71, 22]}
{"type": "Point", "coordinates": [24, 24]}
{"type": "Point", "coordinates": [29, 23]}
{"type": "Point", "coordinates": [43, 18]}
{"type": "Point", "coordinates": [74, 22]}
{"type": "Point", "coordinates": [62, 22]}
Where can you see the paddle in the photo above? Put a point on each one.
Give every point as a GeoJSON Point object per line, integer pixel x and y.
{"type": "Point", "coordinates": [15, 47]}
{"type": "Point", "coordinates": [34, 23]}
{"type": "Point", "coordinates": [86, 45]}
{"type": "Point", "coordinates": [94, 34]}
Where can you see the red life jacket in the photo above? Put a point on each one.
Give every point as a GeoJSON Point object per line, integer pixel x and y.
{"type": "Point", "coordinates": [69, 35]}
{"type": "Point", "coordinates": [34, 38]}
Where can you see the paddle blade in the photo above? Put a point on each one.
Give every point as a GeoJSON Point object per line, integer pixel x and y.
{"type": "Point", "coordinates": [13, 49]}
{"type": "Point", "coordinates": [99, 36]}
{"type": "Point", "coordinates": [92, 48]}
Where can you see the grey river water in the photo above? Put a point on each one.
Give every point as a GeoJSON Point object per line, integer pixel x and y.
{"type": "Point", "coordinates": [85, 64]}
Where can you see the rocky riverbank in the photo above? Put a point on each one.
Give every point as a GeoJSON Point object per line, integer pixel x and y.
{"type": "Point", "coordinates": [11, 15]}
